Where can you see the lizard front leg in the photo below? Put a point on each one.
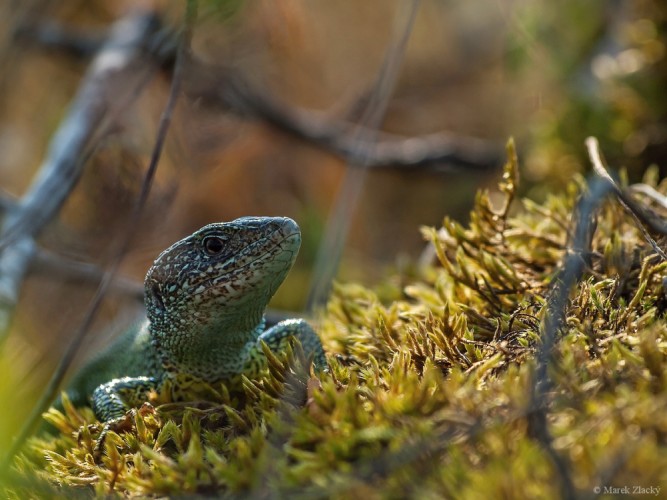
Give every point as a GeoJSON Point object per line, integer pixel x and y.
{"type": "Point", "coordinates": [277, 339]}
{"type": "Point", "coordinates": [111, 401]}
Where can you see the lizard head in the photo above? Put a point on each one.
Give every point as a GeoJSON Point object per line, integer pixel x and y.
{"type": "Point", "coordinates": [221, 277]}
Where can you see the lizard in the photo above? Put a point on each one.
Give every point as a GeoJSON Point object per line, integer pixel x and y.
{"type": "Point", "coordinates": [205, 298]}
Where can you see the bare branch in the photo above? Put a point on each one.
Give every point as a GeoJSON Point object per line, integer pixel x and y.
{"type": "Point", "coordinates": [119, 61]}
{"type": "Point", "coordinates": [570, 273]}
{"type": "Point", "coordinates": [331, 246]}
{"type": "Point", "coordinates": [55, 266]}
{"type": "Point", "coordinates": [571, 270]}
{"type": "Point", "coordinates": [219, 86]}
{"type": "Point", "coordinates": [651, 192]}
{"type": "Point", "coordinates": [646, 221]}
{"type": "Point", "coordinates": [50, 391]}
{"type": "Point", "coordinates": [53, 35]}
{"type": "Point", "coordinates": [355, 143]}
{"type": "Point", "coordinates": [119, 66]}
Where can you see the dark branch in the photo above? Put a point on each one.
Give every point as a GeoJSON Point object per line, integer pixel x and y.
{"type": "Point", "coordinates": [440, 151]}
{"type": "Point", "coordinates": [330, 249]}
{"type": "Point", "coordinates": [55, 266]}
{"type": "Point", "coordinates": [569, 274]}
{"type": "Point", "coordinates": [55, 36]}
{"type": "Point", "coordinates": [223, 87]}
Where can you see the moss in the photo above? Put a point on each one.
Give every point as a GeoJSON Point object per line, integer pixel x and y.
{"type": "Point", "coordinates": [429, 395]}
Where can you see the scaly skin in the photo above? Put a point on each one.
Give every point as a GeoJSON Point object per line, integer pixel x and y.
{"type": "Point", "coordinates": [205, 299]}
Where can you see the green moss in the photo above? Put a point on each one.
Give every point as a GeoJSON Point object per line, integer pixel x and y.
{"type": "Point", "coordinates": [428, 395]}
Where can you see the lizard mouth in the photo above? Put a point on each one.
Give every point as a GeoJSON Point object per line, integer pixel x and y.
{"type": "Point", "coordinates": [156, 298]}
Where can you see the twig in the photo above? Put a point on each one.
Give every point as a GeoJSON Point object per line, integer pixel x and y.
{"type": "Point", "coordinates": [570, 273]}
{"type": "Point", "coordinates": [53, 35]}
{"type": "Point", "coordinates": [68, 356]}
{"type": "Point", "coordinates": [333, 241]}
{"type": "Point", "coordinates": [358, 144]}
{"type": "Point", "coordinates": [85, 120]}
{"type": "Point", "coordinates": [651, 192]}
{"type": "Point", "coordinates": [217, 86]}
{"type": "Point", "coordinates": [646, 222]}
{"type": "Point", "coordinates": [119, 65]}
{"type": "Point", "coordinates": [56, 266]}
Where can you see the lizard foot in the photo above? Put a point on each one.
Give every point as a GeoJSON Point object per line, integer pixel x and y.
{"type": "Point", "coordinates": [126, 423]}
{"type": "Point", "coordinates": [121, 424]}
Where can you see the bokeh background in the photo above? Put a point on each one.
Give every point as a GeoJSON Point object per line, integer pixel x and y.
{"type": "Point", "coordinates": [547, 73]}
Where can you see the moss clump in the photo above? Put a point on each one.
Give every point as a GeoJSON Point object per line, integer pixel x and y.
{"type": "Point", "coordinates": [428, 395]}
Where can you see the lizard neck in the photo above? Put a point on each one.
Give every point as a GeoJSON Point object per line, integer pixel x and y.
{"type": "Point", "coordinates": [209, 350]}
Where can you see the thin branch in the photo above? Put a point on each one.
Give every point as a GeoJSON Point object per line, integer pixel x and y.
{"type": "Point", "coordinates": [333, 241]}
{"type": "Point", "coordinates": [646, 221]}
{"type": "Point", "coordinates": [53, 35]}
{"type": "Point", "coordinates": [218, 86]}
{"type": "Point", "coordinates": [165, 120]}
{"type": "Point", "coordinates": [651, 192]}
{"type": "Point", "coordinates": [120, 59]}
{"type": "Point", "coordinates": [56, 266]}
{"type": "Point", "coordinates": [569, 274]}
{"type": "Point", "coordinates": [356, 144]}
{"type": "Point", "coordinates": [53, 265]}
{"type": "Point", "coordinates": [120, 65]}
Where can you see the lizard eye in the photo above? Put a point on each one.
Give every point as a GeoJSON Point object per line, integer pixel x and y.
{"type": "Point", "coordinates": [214, 245]}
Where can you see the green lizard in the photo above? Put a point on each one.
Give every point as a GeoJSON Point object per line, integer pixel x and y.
{"type": "Point", "coordinates": [205, 298]}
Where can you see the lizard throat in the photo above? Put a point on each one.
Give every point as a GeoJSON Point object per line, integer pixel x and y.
{"type": "Point", "coordinates": [212, 351]}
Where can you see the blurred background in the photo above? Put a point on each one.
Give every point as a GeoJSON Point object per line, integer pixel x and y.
{"type": "Point", "coordinates": [477, 72]}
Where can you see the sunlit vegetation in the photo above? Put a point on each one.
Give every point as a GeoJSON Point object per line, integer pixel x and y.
{"type": "Point", "coordinates": [429, 393]}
